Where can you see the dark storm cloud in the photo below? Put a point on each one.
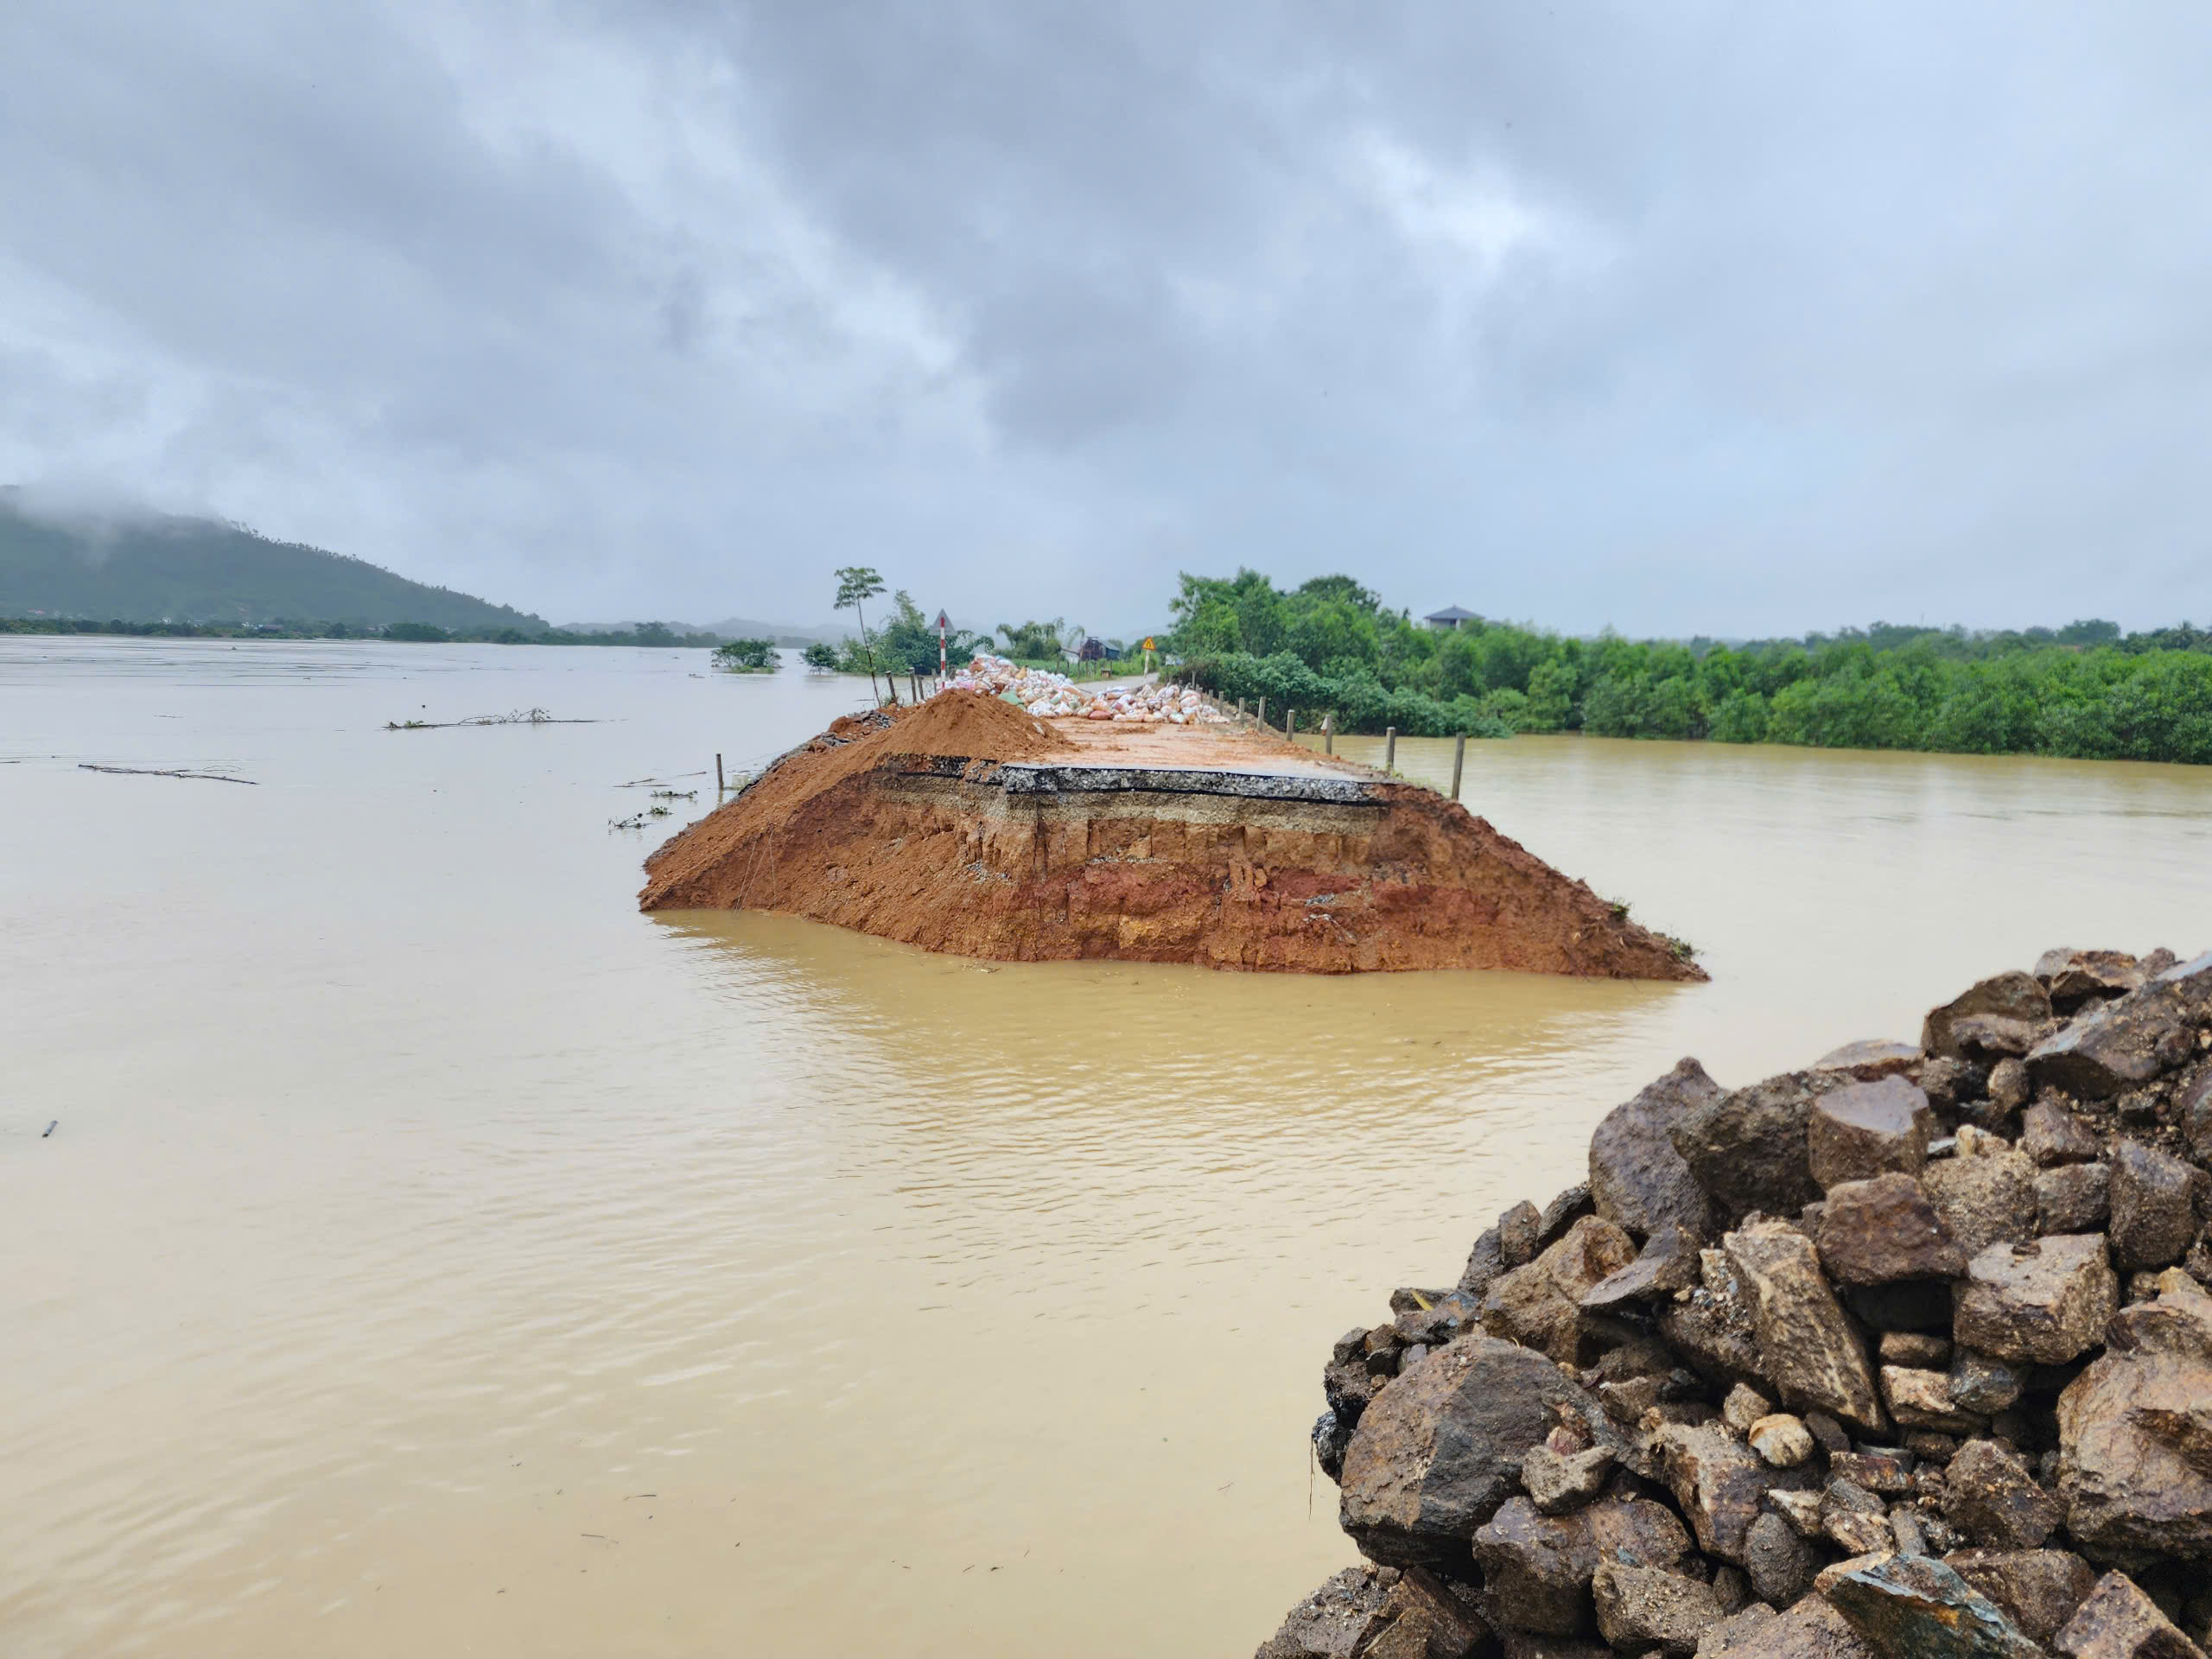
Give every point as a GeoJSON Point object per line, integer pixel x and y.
{"type": "Point", "coordinates": [1701, 317]}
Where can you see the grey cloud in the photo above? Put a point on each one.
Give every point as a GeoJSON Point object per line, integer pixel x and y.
{"type": "Point", "coordinates": [1694, 318]}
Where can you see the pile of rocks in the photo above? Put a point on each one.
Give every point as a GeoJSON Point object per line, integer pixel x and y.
{"type": "Point", "coordinates": [1905, 1356]}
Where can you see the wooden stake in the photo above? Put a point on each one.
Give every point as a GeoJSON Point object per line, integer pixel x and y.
{"type": "Point", "coordinates": [1459, 762]}
{"type": "Point", "coordinates": [1389, 749]}
{"type": "Point", "coordinates": [718, 774]}
{"type": "Point", "coordinates": [1290, 724]}
{"type": "Point", "coordinates": [1328, 733]}
{"type": "Point", "coordinates": [1263, 711]}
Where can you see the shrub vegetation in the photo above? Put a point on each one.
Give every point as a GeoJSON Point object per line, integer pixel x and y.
{"type": "Point", "coordinates": [747, 656]}
{"type": "Point", "coordinates": [1329, 646]}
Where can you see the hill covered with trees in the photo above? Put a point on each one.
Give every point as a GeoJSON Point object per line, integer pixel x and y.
{"type": "Point", "coordinates": [2084, 689]}
{"type": "Point", "coordinates": [159, 568]}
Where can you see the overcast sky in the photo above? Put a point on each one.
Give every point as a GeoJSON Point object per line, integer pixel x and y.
{"type": "Point", "coordinates": [1682, 318]}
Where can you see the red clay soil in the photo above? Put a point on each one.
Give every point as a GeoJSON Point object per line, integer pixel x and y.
{"type": "Point", "coordinates": [955, 723]}
{"type": "Point", "coordinates": [867, 833]}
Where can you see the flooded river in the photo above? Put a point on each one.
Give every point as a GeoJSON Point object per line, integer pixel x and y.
{"type": "Point", "coordinates": [434, 1255]}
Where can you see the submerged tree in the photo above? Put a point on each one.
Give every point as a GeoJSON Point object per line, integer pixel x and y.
{"type": "Point", "coordinates": [747, 656]}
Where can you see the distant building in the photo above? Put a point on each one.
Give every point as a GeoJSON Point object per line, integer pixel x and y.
{"type": "Point", "coordinates": [1450, 620]}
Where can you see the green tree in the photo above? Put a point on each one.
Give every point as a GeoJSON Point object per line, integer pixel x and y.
{"type": "Point", "coordinates": [1551, 697]}
{"type": "Point", "coordinates": [747, 656]}
{"type": "Point", "coordinates": [1035, 641]}
{"type": "Point", "coordinates": [820, 655]}
{"type": "Point", "coordinates": [856, 585]}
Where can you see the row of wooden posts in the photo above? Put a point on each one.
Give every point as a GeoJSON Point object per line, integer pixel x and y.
{"type": "Point", "coordinates": [1390, 740]}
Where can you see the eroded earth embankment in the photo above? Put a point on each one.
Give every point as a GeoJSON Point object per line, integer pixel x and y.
{"type": "Point", "coordinates": [968, 826]}
{"type": "Point", "coordinates": [1905, 1356]}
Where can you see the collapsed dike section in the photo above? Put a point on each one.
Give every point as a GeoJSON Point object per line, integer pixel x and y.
{"type": "Point", "coordinates": [1905, 1356]}
{"type": "Point", "coordinates": [968, 826]}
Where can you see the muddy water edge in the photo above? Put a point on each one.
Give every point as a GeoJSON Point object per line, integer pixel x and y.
{"type": "Point", "coordinates": [433, 1251]}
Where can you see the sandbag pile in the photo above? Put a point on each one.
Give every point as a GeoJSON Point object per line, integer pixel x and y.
{"type": "Point", "coordinates": [1905, 1356]}
{"type": "Point", "coordinates": [1043, 692]}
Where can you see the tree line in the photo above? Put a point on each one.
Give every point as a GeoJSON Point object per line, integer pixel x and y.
{"type": "Point", "coordinates": [1329, 647]}
{"type": "Point", "coordinates": [645, 633]}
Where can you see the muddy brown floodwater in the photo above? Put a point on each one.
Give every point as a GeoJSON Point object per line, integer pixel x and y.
{"type": "Point", "coordinates": [435, 1254]}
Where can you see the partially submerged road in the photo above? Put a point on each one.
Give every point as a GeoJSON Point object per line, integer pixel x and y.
{"type": "Point", "coordinates": [970, 827]}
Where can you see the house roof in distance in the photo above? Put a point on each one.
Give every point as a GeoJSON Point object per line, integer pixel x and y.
{"type": "Point", "coordinates": [1451, 613]}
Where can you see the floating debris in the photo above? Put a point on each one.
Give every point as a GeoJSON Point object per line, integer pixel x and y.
{"type": "Point", "coordinates": [514, 717]}
{"type": "Point", "coordinates": [157, 771]}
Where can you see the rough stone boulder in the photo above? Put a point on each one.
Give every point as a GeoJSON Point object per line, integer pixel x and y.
{"type": "Point", "coordinates": [2118, 1621]}
{"type": "Point", "coordinates": [2039, 1589]}
{"type": "Point", "coordinates": [2135, 1434]}
{"type": "Point", "coordinates": [2193, 1109]}
{"type": "Point", "coordinates": [1919, 1399]}
{"type": "Point", "coordinates": [1485, 1263]}
{"type": "Point", "coordinates": [1782, 1440]}
{"type": "Point", "coordinates": [1998, 1015]}
{"type": "Point", "coordinates": [1913, 1607]}
{"type": "Point", "coordinates": [1876, 1057]}
{"type": "Point", "coordinates": [1870, 1232]}
{"type": "Point", "coordinates": [2011, 1087]}
{"type": "Point", "coordinates": [1520, 1234]}
{"type": "Point", "coordinates": [2046, 1301]}
{"type": "Point", "coordinates": [2117, 1045]}
{"type": "Point", "coordinates": [2073, 977]}
{"type": "Point", "coordinates": [1566, 1209]}
{"type": "Point", "coordinates": [2073, 1198]}
{"type": "Point", "coordinates": [1776, 1559]}
{"type": "Point", "coordinates": [1536, 1569]}
{"type": "Point", "coordinates": [1440, 1449]}
{"type": "Point", "coordinates": [1425, 1618]}
{"type": "Point", "coordinates": [1640, 1609]}
{"type": "Point", "coordinates": [1713, 1325]}
{"type": "Point", "coordinates": [1559, 1481]}
{"type": "Point", "coordinates": [1983, 1382]}
{"type": "Point", "coordinates": [1668, 1262]}
{"type": "Point", "coordinates": [1866, 1129]}
{"type": "Point", "coordinates": [1527, 1644]}
{"type": "Point", "coordinates": [1748, 1149]}
{"type": "Point", "coordinates": [1983, 1199]}
{"type": "Point", "coordinates": [1538, 1305]}
{"type": "Point", "coordinates": [1335, 1620]}
{"type": "Point", "coordinates": [1717, 1483]}
{"type": "Point", "coordinates": [1853, 1519]}
{"type": "Point", "coordinates": [1990, 1495]}
{"type": "Point", "coordinates": [1810, 1629]}
{"type": "Point", "coordinates": [1638, 1179]}
{"type": "Point", "coordinates": [1809, 1347]}
{"type": "Point", "coordinates": [2051, 1134]}
{"type": "Point", "coordinates": [1639, 1532]}
{"type": "Point", "coordinates": [2153, 1206]}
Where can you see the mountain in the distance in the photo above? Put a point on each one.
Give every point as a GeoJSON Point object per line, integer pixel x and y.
{"type": "Point", "coordinates": [155, 567]}
{"type": "Point", "coordinates": [730, 627]}
{"type": "Point", "coordinates": [740, 628]}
